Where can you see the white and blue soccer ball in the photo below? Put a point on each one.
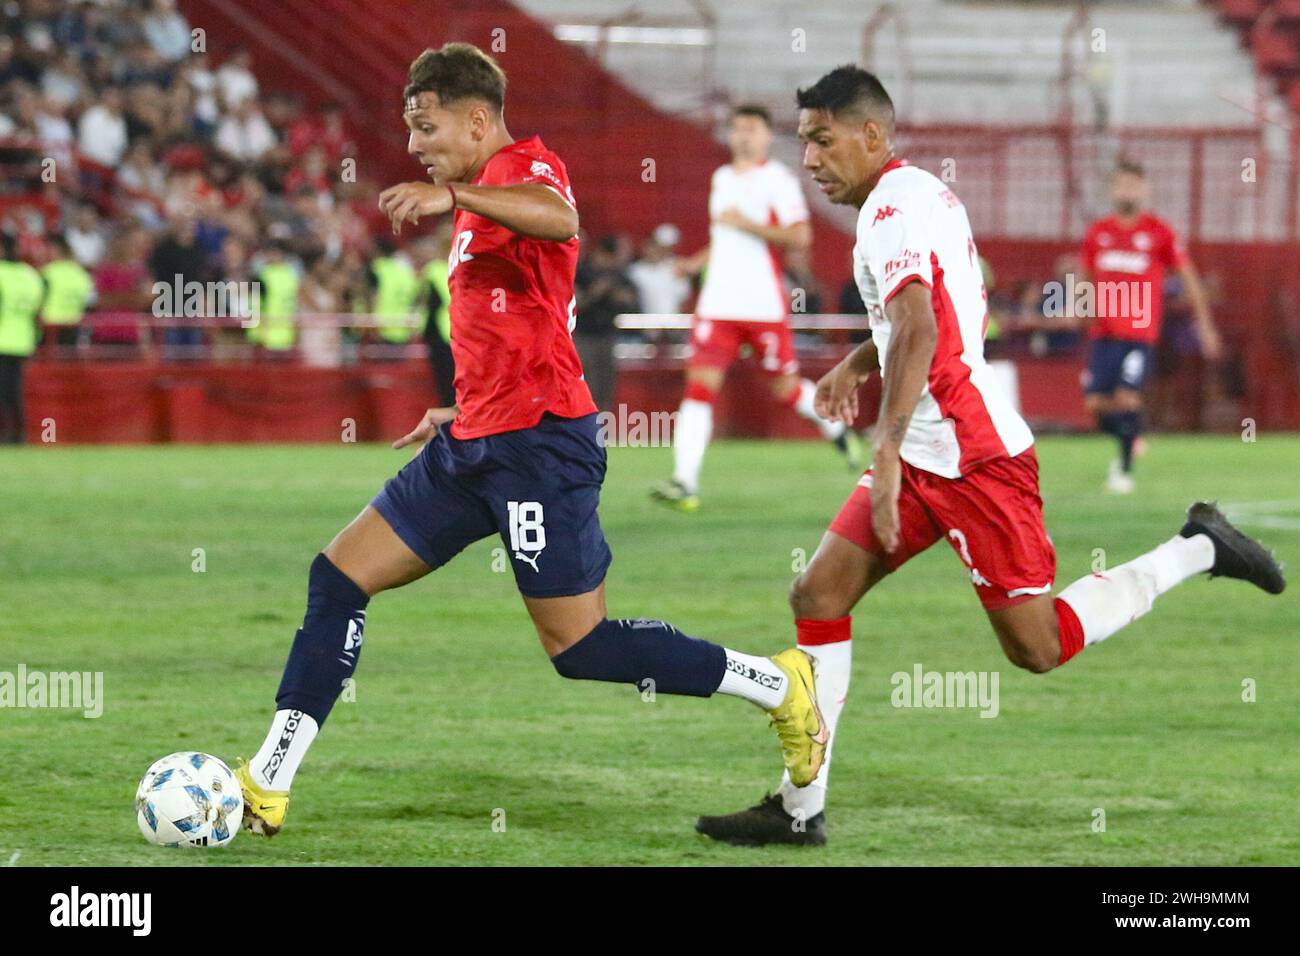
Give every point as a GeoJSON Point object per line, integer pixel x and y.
{"type": "Point", "coordinates": [189, 799]}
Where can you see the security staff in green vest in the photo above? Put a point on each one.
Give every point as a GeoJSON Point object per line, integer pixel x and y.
{"type": "Point", "coordinates": [68, 290]}
{"type": "Point", "coordinates": [278, 280]}
{"type": "Point", "coordinates": [396, 294]}
{"type": "Point", "coordinates": [437, 323]}
{"type": "Point", "coordinates": [21, 292]}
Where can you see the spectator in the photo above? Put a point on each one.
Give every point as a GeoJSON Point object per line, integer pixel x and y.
{"type": "Point", "coordinates": [122, 285]}
{"type": "Point", "coordinates": [235, 79]}
{"type": "Point", "coordinates": [167, 30]}
{"type": "Point", "coordinates": [21, 291]}
{"type": "Point", "coordinates": [68, 290]}
{"type": "Point", "coordinates": [603, 292]}
{"type": "Point", "coordinates": [62, 83]}
{"type": "Point", "coordinates": [659, 286]}
{"type": "Point", "coordinates": [195, 73]}
{"type": "Point", "coordinates": [244, 134]}
{"type": "Point", "coordinates": [86, 237]}
{"type": "Point", "coordinates": [177, 260]}
{"type": "Point", "coordinates": [101, 131]}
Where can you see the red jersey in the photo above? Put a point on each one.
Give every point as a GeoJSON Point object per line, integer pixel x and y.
{"type": "Point", "coordinates": [1127, 268]}
{"type": "Point", "coordinates": [513, 309]}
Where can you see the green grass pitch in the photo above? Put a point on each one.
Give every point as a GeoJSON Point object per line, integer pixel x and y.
{"type": "Point", "coordinates": [459, 721]}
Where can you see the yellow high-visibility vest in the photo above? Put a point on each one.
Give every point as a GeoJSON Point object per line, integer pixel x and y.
{"type": "Point", "coordinates": [396, 292]}
{"type": "Point", "coordinates": [67, 290]}
{"type": "Point", "coordinates": [436, 274]}
{"type": "Point", "coordinates": [21, 290]}
{"type": "Point", "coordinates": [279, 305]}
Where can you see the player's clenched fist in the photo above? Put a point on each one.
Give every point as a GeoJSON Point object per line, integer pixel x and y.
{"type": "Point", "coordinates": [407, 202]}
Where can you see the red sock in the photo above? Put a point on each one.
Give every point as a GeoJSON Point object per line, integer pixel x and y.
{"type": "Point", "coordinates": [700, 393]}
{"type": "Point", "coordinates": [1069, 629]}
{"type": "Point", "coordinates": [811, 633]}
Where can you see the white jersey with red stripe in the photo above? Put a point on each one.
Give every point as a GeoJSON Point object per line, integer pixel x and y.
{"type": "Point", "coordinates": [912, 228]}
{"type": "Point", "coordinates": [743, 279]}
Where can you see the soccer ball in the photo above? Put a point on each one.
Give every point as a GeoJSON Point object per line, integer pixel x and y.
{"type": "Point", "coordinates": [189, 799]}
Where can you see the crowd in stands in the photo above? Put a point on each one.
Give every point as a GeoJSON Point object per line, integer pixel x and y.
{"type": "Point", "coordinates": [170, 162]}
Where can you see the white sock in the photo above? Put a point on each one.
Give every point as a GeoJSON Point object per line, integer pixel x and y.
{"type": "Point", "coordinates": [834, 664]}
{"type": "Point", "coordinates": [804, 406]}
{"type": "Point", "coordinates": [286, 744]}
{"type": "Point", "coordinates": [1106, 602]}
{"type": "Point", "coordinates": [690, 439]}
{"type": "Point", "coordinates": [757, 679]}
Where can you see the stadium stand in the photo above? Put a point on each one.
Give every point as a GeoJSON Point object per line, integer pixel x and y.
{"type": "Point", "coordinates": [154, 131]}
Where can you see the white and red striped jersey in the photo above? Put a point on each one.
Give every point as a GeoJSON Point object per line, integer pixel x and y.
{"type": "Point", "coordinates": [912, 228]}
{"type": "Point", "coordinates": [743, 279]}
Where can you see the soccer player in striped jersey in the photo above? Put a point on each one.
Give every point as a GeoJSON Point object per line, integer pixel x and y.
{"type": "Point", "coordinates": [953, 460]}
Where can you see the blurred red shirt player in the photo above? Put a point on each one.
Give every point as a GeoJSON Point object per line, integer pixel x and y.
{"type": "Point", "coordinates": [1126, 256]}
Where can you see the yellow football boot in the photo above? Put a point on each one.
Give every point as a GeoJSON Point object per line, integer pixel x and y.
{"type": "Point", "coordinates": [798, 720]}
{"type": "Point", "coordinates": [264, 810]}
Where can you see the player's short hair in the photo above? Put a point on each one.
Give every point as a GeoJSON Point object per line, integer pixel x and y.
{"type": "Point", "coordinates": [456, 71]}
{"type": "Point", "coordinates": [849, 90]}
{"type": "Point", "coordinates": [754, 109]}
{"type": "Point", "coordinates": [1132, 167]}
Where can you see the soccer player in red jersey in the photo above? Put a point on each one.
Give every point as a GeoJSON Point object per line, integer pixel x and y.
{"type": "Point", "coordinates": [518, 455]}
{"type": "Point", "coordinates": [953, 460]}
{"type": "Point", "coordinates": [1125, 256]}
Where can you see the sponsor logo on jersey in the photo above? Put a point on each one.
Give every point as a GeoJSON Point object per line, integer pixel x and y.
{"type": "Point", "coordinates": [1123, 260]}
{"type": "Point", "coordinates": [903, 262]}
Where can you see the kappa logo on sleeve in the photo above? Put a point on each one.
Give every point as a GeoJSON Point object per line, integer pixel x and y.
{"type": "Point", "coordinates": [884, 212]}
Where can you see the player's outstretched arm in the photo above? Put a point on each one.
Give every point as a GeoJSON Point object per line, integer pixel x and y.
{"type": "Point", "coordinates": [530, 209]}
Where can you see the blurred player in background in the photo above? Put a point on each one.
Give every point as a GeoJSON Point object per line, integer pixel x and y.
{"type": "Point", "coordinates": [1125, 256]}
{"type": "Point", "coordinates": [521, 454]}
{"type": "Point", "coordinates": [953, 459]}
{"type": "Point", "coordinates": [755, 204]}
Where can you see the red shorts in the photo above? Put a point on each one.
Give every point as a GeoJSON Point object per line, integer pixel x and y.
{"type": "Point", "coordinates": [992, 517]}
{"type": "Point", "coordinates": [715, 343]}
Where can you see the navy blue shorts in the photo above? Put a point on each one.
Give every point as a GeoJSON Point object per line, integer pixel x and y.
{"type": "Point", "coordinates": [538, 488]}
{"type": "Point", "coordinates": [1116, 363]}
